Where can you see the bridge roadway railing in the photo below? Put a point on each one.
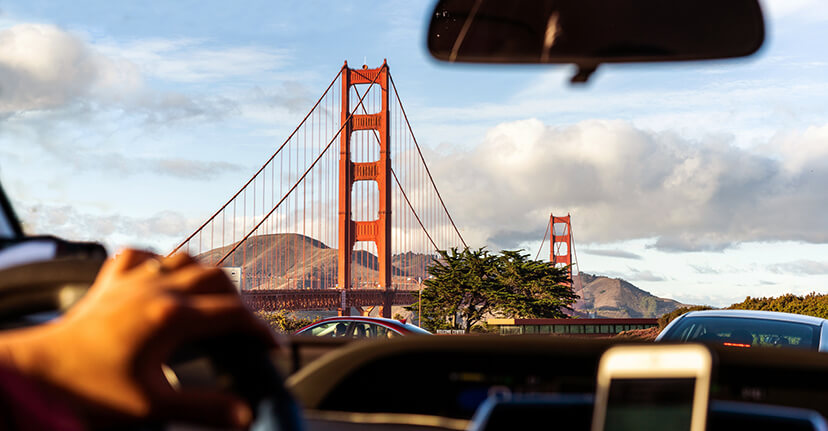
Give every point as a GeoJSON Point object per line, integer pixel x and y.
{"type": "Point", "coordinates": [323, 299]}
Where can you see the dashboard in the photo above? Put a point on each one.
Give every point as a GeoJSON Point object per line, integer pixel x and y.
{"type": "Point", "coordinates": [452, 376]}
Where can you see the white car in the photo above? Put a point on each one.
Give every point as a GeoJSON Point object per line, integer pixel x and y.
{"type": "Point", "coordinates": [749, 328]}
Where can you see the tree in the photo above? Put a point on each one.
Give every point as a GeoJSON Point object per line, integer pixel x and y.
{"type": "Point", "coordinates": [460, 290]}
{"type": "Point", "coordinates": [532, 288]}
{"type": "Point", "coordinates": [468, 285]}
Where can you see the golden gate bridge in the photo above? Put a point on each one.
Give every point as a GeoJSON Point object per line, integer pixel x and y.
{"type": "Point", "coordinates": [344, 214]}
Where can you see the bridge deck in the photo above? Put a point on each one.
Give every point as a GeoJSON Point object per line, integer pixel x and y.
{"type": "Point", "coordinates": [323, 299]}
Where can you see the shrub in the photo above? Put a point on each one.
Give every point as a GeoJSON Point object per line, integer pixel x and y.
{"type": "Point", "coordinates": [281, 321]}
{"type": "Point", "coordinates": [812, 304]}
{"type": "Point", "coordinates": [648, 334]}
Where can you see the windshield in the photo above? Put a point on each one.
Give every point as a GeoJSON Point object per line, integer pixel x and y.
{"type": "Point", "coordinates": [745, 332]}
{"type": "Point", "coordinates": [318, 153]}
{"type": "Point", "coordinates": [702, 183]}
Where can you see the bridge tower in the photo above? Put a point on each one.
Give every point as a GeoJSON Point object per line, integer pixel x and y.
{"type": "Point", "coordinates": [378, 230]}
{"type": "Point", "coordinates": [561, 247]}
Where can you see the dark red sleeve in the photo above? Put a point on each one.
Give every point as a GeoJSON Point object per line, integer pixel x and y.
{"type": "Point", "coordinates": [25, 406]}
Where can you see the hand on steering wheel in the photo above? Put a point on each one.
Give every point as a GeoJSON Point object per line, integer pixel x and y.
{"type": "Point", "coordinates": [106, 353]}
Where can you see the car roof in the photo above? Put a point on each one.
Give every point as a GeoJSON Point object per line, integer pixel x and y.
{"type": "Point", "coordinates": [362, 319]}
{"type": "Point", "coordinates": [758, 314]}
{"type": "Point", "coordinates": [397, 325]}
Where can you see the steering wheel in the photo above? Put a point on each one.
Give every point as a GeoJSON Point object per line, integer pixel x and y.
{"type": "Point", "coordinates": [44, 274]}
{"type": "Point", "coordinates": [47, 288]}
{"type": "Point", "coordinates": [238, 364]}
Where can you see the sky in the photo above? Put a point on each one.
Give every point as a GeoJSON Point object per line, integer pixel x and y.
{"type": "Point", "coordinates": [129, 123]}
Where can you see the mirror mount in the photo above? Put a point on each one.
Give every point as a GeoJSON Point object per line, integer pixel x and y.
{"type": "Point", "coordinates": [583, 73]}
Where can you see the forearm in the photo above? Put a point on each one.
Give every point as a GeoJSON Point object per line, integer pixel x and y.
{"type": "Point", "coordinates": [29, 351]}
{"type": "Point", "coordinates": [28, 394]}
{"type": "Point", "coordinates": [104, 357]}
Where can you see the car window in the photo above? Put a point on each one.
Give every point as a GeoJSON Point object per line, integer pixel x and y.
{"type": "Point", "coordinates": [5, 227]}
{"type": "Point", "coordinates": [9, 225]}
{"type": "Point", "coordinates": [371, 330]}
{"type": "Point", "coordinates": [362, 330]}
{"type": "Point", "coordinates": [328, 329]}
{"type": "Point", "coordinates": [746, 332]}
{"type": "Point", "coordinates": [384, 332]}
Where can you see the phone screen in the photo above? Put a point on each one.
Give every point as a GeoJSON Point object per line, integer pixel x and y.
{"type": "Point", "coordinates": [650, 404]}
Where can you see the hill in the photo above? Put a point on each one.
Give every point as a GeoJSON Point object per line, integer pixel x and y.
{"type": "Point", "coordinates": [294, 261]}
{"type": "Point", "coordinates": [616, 298]}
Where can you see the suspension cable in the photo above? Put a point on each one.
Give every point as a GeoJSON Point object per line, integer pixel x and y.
{"type": "Point", "coordinates": [315, 105]}
{"type": "Point", "coordinates": [572, 243]}
{"type": "Point", "coordinates": [417, 145]}
{"type": "Point", "coordinates": [401, 187]}
{"type": "Point", "coordinates": [412, 210]}
{"type": "Point", "coordinates": [543, 241]}
{"type": "Point", "coordinates": [299, 181]}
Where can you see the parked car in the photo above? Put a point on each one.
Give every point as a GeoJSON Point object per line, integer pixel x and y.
{"type": "Point", "coordinates": [361, 327]}
{"type": "Point", "coordinates": [749, 328]}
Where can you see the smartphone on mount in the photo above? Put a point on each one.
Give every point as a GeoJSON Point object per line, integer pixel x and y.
{"type": "Point", "coordinates": [653, 387]}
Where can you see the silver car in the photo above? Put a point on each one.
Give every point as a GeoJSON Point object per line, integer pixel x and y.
{"type": "Point", "coordinates": [749, 328]}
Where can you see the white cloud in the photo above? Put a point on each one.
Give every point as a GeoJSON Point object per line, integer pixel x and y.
{"type": "Point", "coordinates": [43, 67]}
{"type": "Point", "coordinates": [59, 135]}
{"type": "Point", "coordinates": [705, 269]}
{"type": "Point", "coordinates": [190, 60]}
{"type": "Point", "coordinates": [113, 230]}
{"type": "Point", "coordinates": [622, 183]}
{"type": "Point", "coordinates": [808, 9]}
{"type": "Point", "coordinates": [749, 104]}
{"type": "Point", "coordinates": [622, 254]}
{"type": "Point", "coordinates": [117, 164]}
{"type": "Point", "coordinates": [801, 151]}
{"type": "Point", "coordinates": [636, 275]}
{"type": "Point", "coordinates": [802, 267]}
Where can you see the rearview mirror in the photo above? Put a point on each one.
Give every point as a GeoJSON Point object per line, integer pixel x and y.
{"type": "Point", "coordinates": [588, 33]}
